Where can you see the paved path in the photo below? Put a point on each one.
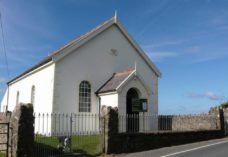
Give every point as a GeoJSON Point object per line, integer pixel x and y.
{"type": "Point", "coordinates": [212, 148]}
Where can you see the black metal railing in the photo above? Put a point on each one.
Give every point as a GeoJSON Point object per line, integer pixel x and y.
{"type": "Point", "coordinates": [57, 134]}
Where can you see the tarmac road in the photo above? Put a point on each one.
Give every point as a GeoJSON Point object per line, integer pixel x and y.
{"type": "Point", "coordinates": [212, 148]}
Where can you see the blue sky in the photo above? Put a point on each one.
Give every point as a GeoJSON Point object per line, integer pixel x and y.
{"type": "Point", "coordinates": [186, 39]}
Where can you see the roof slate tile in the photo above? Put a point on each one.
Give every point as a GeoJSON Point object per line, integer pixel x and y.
{"type": "Point", "coordinates": [116, 79]}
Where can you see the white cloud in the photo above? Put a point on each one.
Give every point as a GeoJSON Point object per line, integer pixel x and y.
{"type": "Point", "coordinates": [209, 95]}
{"type": "Point", "coordinates": [204, 57]}
{"type": "Point", "coordinates": [158, 56]}
{"type": "Point", "coordinates": [212, 96]}
{"type": "Point", "coordinates": [163, 44]}
{"type": "Point", "coordinates": [196, 95]}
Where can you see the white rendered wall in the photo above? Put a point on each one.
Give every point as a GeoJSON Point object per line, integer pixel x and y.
{"type": "Point", "coordinates": [109, 100]}
{"type": "Point", "coordinates": [142, 92]}
{"type": "Point", "coordinates": [43, 81]}
{"type": "Point", "coordinates": [147, 120]}
{"type": "Point", "coordinates": [4, 102]}
{"type": "Point", "coordinates": [94, 63]}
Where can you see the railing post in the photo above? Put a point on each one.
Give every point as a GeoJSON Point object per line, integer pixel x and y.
{"type": "Point", "coordinates": [71, 123]}
{"type": "Point", "coordinates": [143, 123]}
{"type": "Point", "coordinates": [104, 133]}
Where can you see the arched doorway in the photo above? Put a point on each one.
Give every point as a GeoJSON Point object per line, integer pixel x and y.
{"type": "Point", "coordinates": [132, 117]}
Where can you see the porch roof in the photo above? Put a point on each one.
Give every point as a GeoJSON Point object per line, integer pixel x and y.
{"type": "Point", "coordinates": [115, 81]}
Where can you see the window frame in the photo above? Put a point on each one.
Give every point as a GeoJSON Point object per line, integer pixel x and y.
{"type": "Point", "coordinates": [85, 96]}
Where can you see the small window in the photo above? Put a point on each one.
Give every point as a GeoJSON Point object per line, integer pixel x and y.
{"type": "Point", "coordinates": [17, 98]}
{"type": "Point", "coordinates": [33, 95]}
{"type": "Point", "coordinates": [84, 97]}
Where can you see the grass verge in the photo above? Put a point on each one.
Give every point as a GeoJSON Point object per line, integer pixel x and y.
{"type": "Point", "coordinates": [84, 144]}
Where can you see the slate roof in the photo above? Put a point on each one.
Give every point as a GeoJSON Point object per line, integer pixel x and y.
{"type": "Point", "coordinates": [82, 38]}
{"type": "Point", "coordinates": [116, 79]}
{"type": "Point", "coordinates": [39, 64]}
{"type": "Point", "coordinates": [49, 58]}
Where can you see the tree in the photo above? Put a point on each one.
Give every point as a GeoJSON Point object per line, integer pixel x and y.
{"type": "Point", "coordinates": [224, 105]}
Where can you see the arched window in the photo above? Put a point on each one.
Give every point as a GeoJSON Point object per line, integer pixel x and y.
{"type": "Point", "coordinates": [84, 97]}
{"type": "Point", "coordinates": [33, 95]}
{"type": "Point", "coordinates": [17, 98]}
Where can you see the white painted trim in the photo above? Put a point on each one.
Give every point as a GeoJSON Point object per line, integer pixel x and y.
{"type": "Point", "coordinates": [197, 148]}
{"type": "Point", "coordinates": [74, 45]}
{"type": "Point", "coordinates": [31, 72]}
{"type": "Point", "coordinates": [144, 84]}
{"type": "Point", "coordinates": [131, 76]}
{"type": "Point", "coordinates": [108, 93]}
{"type": "Point", "coordinates": [125, 80]}
{"type": "Point", "coordinates": [138, 49]}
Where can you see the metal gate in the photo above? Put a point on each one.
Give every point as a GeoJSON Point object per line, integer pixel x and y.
{"type": "Point", "coordinates": [5, 143]}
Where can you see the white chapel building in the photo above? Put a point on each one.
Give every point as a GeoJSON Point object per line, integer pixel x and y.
{"type": "Point", "coordinates": [105, 66]}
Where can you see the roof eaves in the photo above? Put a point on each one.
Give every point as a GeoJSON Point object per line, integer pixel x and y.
{"type": "Point", "coordinates": [101, 90]}
{"type": "Point", "coordinates": [98, 91]}
{"type": "Point", "coordinates": [50, 57]}
{"type": "Point", "coordinates": [126, 79]}
{"type": "Point", "coordinates": [108, 91]}
{"type": "Point", "coordinates": [41, 63]}
{"type": "Point", "coordinates": [138, 49]}
{"type": "Point", "coordinates": [83, 38]}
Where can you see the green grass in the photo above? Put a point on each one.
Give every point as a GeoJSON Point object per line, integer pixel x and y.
{"type": "Point", "coordinates": [2, 155]}
{"type": "Point", "coordinates": [86, 144]}
{"type": "Point", "coordinates": [89, 144]}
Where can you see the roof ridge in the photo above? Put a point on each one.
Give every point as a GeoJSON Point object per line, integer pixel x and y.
{"type": "Point", "coordinates": [115, 80]}
{"type": "Point", "coordinates": [84, 35]}
{"type": "Point", "coordinates": [49, 57]}
{"type": "Point", "coordinates": [130, 69]}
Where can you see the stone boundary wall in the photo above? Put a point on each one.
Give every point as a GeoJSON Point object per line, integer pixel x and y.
{"type": "Point", "coordinates": [116, 142]}
{"type": "Point", "coordinates": [110, 125]}
{"type": "Point", "coordinates": [195, 122]}
{"type": "Point", "coordinates": [126, 143]}
{"type": "Point", "coordinates": [22, 133]}
{"type": "Point", "coordinates": [225, 110]}
{"type": "Point", "coordinates": [225, 121]}
{"type": "Point", "coordinates": [188, 122]}
{"type": "Point", "coordinates": [4, 118]}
